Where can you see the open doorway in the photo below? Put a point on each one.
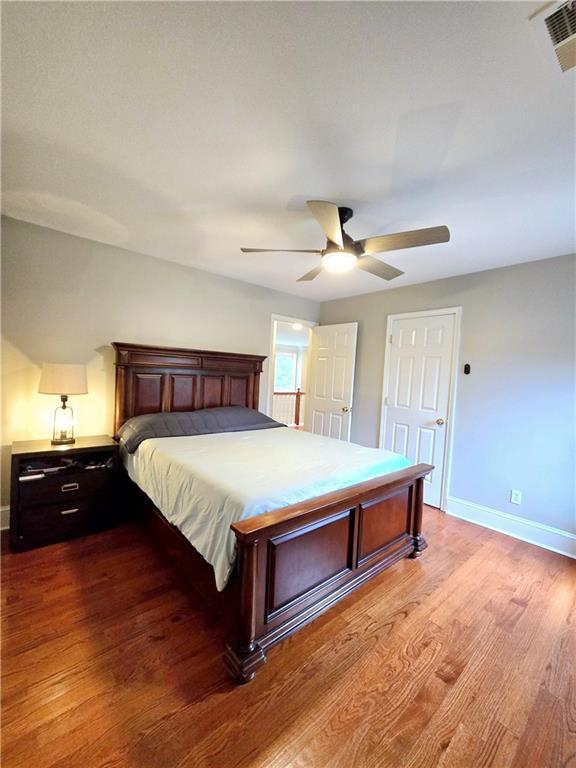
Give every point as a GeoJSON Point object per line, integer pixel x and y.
{"type": "Point", "coordinates": [289, 370]}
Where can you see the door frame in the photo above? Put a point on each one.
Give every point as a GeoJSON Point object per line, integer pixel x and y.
{"type": "Point", "coordinates": [453, 383]}
{"type": "Point", "coordinates": [271, 357]}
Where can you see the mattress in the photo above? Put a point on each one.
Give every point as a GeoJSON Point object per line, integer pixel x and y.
{"type": "Point", "coordinates": [203, 483]}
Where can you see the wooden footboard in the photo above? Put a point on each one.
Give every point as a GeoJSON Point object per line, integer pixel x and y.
{"type": "Point", "coordinates": [296, 562]}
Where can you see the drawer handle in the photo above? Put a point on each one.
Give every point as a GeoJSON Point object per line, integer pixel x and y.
{"type": "Point", "coordinates": [69, 487]}
{"type": "Point", "coordinates": [69, 511]}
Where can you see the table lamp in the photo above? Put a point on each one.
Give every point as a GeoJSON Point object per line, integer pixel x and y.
{"type": "Point", "coordinates": [63, 379]}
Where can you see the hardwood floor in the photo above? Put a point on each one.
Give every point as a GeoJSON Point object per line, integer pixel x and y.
{"type": "Point", "coordinates": [465, 657]}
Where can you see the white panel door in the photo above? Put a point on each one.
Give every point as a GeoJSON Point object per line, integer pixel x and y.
{"type": "Point", "coordinates": [330, 386]}
{"type": "Point", "coordinates": [418, 392]}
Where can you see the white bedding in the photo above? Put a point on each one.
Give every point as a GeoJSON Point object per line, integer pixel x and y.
{"type": "Point", "coordinates": [203, 483]}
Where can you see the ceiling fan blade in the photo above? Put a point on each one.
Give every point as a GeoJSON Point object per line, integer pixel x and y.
{"type": "Point", "coordinates": [378, 268]}
{"type": "Point", "coordinates": [411, 239]}
{"type": "Point", "coordinates": [310, 275]}
{"type": "Point", "coordinates": [328, 216]}
{"type": "Point", "coordinates": [274, 250]}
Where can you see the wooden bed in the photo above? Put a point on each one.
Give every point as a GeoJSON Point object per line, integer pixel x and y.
{"type": "Point", "coordinates": [293, 563]}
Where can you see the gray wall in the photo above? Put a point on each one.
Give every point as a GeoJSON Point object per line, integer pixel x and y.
{"type": "Point", "coordinates": [64, 299]}
{"type": "Point", "coordinates": [515, 418]}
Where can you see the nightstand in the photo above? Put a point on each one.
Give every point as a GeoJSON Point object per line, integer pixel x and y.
{"type": "Point", "coordinates": [58, 492]}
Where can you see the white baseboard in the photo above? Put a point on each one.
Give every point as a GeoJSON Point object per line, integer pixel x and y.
{"type": "Point", "coordinates": [4, 518]}
{"type": "Point", "coordinates": [542, 535]}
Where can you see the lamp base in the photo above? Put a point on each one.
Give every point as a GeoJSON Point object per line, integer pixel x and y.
{"type": "Point", "coordinates": [63, 432]}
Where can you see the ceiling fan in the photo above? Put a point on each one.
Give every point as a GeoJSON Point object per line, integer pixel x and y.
{"type": "Point", "coordinates": [342, 253]}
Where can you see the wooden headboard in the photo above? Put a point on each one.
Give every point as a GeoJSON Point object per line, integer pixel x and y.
{"type": "Point", "coordinates": [153, 379]}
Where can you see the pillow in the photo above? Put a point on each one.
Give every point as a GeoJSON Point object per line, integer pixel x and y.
{"type": "Point", "coordinates": [233, 418]}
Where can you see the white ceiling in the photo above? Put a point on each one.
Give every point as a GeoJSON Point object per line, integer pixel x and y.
{"type": "Point", "coordinates": [186, 130]}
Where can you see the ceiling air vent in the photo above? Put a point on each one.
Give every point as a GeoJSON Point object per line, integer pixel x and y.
{"type": "Point", "coordinates": [561, 27]}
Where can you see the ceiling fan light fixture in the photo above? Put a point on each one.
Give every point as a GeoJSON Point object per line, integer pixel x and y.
{"type": "Point", "coordinates": [339, 261]}
{"type": "Point", "coordinates": [342, 253]}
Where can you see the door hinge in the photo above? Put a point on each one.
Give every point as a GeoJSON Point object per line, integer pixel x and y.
{"type": "Point", "coordinates": [390, 338]}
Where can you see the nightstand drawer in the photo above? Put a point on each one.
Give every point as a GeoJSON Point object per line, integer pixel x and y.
{"type": "Point", "coordinates": [59, 521]}
{"type": "Point", "coordinates": [65, 488]}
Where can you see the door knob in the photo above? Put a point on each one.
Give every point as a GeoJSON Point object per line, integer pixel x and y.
{"type": "Point", "coordinates": [440, 422]}
{"type": "Point", "coordinates": [346, 409]}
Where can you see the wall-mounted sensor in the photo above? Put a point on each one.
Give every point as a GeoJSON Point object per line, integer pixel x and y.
{"type": "Point", "coordinates": [467, 368]}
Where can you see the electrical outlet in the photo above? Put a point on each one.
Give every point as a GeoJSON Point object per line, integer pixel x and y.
{"type": "Point", "coordinates": [515, 496]}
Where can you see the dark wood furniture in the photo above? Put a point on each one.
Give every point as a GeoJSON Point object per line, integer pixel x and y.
{"type": "Point", "coordinates": [60, 492]}
{"type": "Point", "coordinates": [294, 563]}
{"type": "Point", "coordinates": [155, 379]}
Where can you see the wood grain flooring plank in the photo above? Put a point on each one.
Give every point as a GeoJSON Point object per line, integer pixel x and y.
{"type": "Point", "coordinates": [464, 658]}
{"type": "Point", "coordinates": [543, 742]}
{"type": "Point", "coordinates": [382, 685]}
{"type": "Point", "coordinates": [477, 676]}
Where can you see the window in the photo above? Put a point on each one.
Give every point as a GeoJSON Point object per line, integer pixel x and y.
{"type": "Point", "coordinates": [285, 372]}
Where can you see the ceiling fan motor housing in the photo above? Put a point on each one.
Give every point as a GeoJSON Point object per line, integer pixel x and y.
{"type": "Point", "coordinates": [349, 245]}
{"type": "Point", "coordinates": [345, 214]}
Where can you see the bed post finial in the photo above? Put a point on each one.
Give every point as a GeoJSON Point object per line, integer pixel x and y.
{"type": "Point", "coordinates": [420, 543]}
{"type": "Point", "coordinates": [246, 656]}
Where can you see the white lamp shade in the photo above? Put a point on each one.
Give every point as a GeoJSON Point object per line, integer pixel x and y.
{"type": "Point", "coordinates": [63, 379]}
